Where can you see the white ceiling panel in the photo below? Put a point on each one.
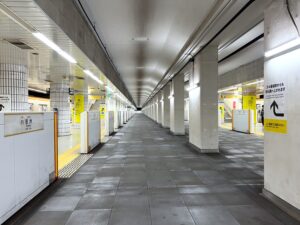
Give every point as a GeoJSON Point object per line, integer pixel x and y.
{"type": "Point", "coordinates": [167, 24]}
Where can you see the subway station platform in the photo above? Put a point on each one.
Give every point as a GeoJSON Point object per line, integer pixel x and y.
{"type": "Point", "coordinates": [144, 175]}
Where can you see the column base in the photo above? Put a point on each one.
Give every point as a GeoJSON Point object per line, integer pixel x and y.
{"type": "Point", "coordinates": [166, 127]}
{"type": "Point", "coordinates": [177, 133]}
{"type": "Point", "coordinates": [207, 151]}
{"type": "Point", "coordinates": [283, 205]}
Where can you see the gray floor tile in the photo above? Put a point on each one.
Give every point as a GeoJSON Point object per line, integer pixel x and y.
{"type": "Point", "coordinates": [48, 218]}
{"type": "Point", "coordinates": [250, 215]}
{"type": "Point", "coordinates": [212, 215]}
{"type": "Point", "coordinates": [171, 215]}
{"type": "Point", "coordinates": [89, 217]}
{"type": "Point", "coordinates": [60, 204]}
{"type": "Point", "coordinates": [130, 217]}
{"type": "Point", "coordinates": [96, 201]}
{"type": "Point", "coordinates": [131, 201]}
{"type": "Point", "coordinates": [200, 199]}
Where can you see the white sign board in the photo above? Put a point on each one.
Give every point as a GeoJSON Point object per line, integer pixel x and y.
{"type": "Point", "coordinates": [19, 123]}
{"type": "Point", "coordinates": [275, 108]}
{"type": "Point", "coordinates": [5, 103]}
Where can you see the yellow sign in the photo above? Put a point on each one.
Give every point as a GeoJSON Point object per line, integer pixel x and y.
{"type": "Point", "coordinates": [78, 107]}
{"type": "Point", "coordinates": [249, 103]}
{"type": "Point", "coordinates": [276, 126]}
{"type": "Point", "coordinates": [222, 110]}
{"type": "Point", "coordinates": [102, 111]}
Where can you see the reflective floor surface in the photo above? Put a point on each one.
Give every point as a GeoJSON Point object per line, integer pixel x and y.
{"type": "Point", "coordinates": [146, 176]}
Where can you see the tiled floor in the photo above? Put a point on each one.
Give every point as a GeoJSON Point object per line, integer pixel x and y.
{"type": "Point", "coordinates": [145, 176]}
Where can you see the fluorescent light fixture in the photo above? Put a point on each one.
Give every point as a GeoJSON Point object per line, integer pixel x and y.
{"type": "Point", "coordinates": [227, 89]}
{"type": "Point", "coordinates": [93, 76]}
{"type": "Point", "coordinates": [289, 45]}
{"type": "Point", "coordinates": [37, 90]}
{"type": "Point", "coordinates": [54, 46]}
{"type": "Point", "coordinates": [256, 82]}
{"type": "Point", "coordinates": [193, 87]}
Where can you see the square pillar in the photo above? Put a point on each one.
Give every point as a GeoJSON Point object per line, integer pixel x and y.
{"type": "Point", "coordinates": [203, 102]}
{"type": "Point", "coordinates": [177, 105]}
{"type": "Point", "coordinates": [166, 106]}
{"type": "Point", "coordinates": [282, 108]}
{"type": "Point", "coordinates": [159, 108]}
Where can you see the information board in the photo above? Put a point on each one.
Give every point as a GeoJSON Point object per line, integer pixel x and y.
{"type": "Point", "coordinates": [275, 107]}
{"type": "Point", "coordinates": [20, 123]}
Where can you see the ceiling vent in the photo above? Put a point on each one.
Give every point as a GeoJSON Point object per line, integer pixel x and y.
{"type": "Point", "coordinates": [79, 78]}
{"type": "Point", "coordinates": [20, 44]}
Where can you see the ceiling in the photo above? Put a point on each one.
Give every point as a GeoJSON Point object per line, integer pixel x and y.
{"type": "Point", "coordinates": [144, 37]}
{"type": "Point", "coordinates": [44, 64]}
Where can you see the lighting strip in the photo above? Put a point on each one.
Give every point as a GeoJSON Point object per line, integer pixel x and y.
{"type": "Point", "coordinates": [282, 48]}
{"type": "Point", "coordinates": [36, 90]}
{"type": "Point", "coordinates": [93, 76]}
{"type": "Point", "coordinates": [256, 82]}
{"type": "Point", "coordinates": [227, 89]}
{"type": "Point", "coordinates": [54, 46]}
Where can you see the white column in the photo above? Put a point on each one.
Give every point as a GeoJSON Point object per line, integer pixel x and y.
{"type": "Point", "coordinates": [177, 105]}
{"type": "Point", "coordinates": [153, 110]}
{"type": "Point", "coordinates": [60, 100]}
{"type": "Point", "coordinates": [166, 106]}
{"type": "Point", "coordinates": [282, 108]}
{"type": "Point", "coordinates": [158, 103]}
{"type": "Point", "coordinates": [203, 102]}
{"type": "Point", "coordinates": [14, 77]}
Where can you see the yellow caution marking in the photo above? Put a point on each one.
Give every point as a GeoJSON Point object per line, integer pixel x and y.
{"type": "Point", "coordinates": [68, 156]}
{"type": "Point", "coordinates": [276, 126]}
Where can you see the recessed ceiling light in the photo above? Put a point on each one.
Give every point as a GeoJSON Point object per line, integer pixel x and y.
{"type": "Point", "coordinates": [140, 39]}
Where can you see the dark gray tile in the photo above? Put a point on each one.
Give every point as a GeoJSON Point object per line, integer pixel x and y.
{"type": "Point", "coordinates": [212, 215]}
{"type": "Point", "coordinates": [48, 218]}
{"type": "Point", "coordinates": [250, 215]}
{"type": "Point", "coordinates": [171, 215]}
{"type": "Point", "coordinates": [96, 201]}
{"type": "Point", "coordinates": [60, 204]}
{"type": "Point", "coordinates": [131, 201]}
{"type": "Point", "coordinates": [89, 217]}
{"type": "Point", "coordinates": [165, 200]}
{"type": "Point", "coordinates": [234, 199]}
{"type": "Point", "coordinates": [130, 217]}
{"type": "Point", "coordinates": [200, 199]}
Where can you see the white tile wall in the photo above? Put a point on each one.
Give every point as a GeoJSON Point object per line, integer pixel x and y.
{"type": "Point", "coordinates": [60, 99]}
{"type": "Point", "coordinates": [14, 75]}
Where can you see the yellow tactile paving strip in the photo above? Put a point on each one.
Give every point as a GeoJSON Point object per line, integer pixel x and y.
{"type": "Point", "coordinates": [67, 157]}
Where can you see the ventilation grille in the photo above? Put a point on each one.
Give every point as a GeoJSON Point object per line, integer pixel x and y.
{"type": "Point", "coordinates": [20, 44]}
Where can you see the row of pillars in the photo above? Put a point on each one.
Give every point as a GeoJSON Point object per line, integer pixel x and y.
{"type": "Point", "coordinates": [282, 81]}
{"type": "Point", "coordinates": [14, 77]}
{"type": "Point", "coordinates": [167, 107]}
